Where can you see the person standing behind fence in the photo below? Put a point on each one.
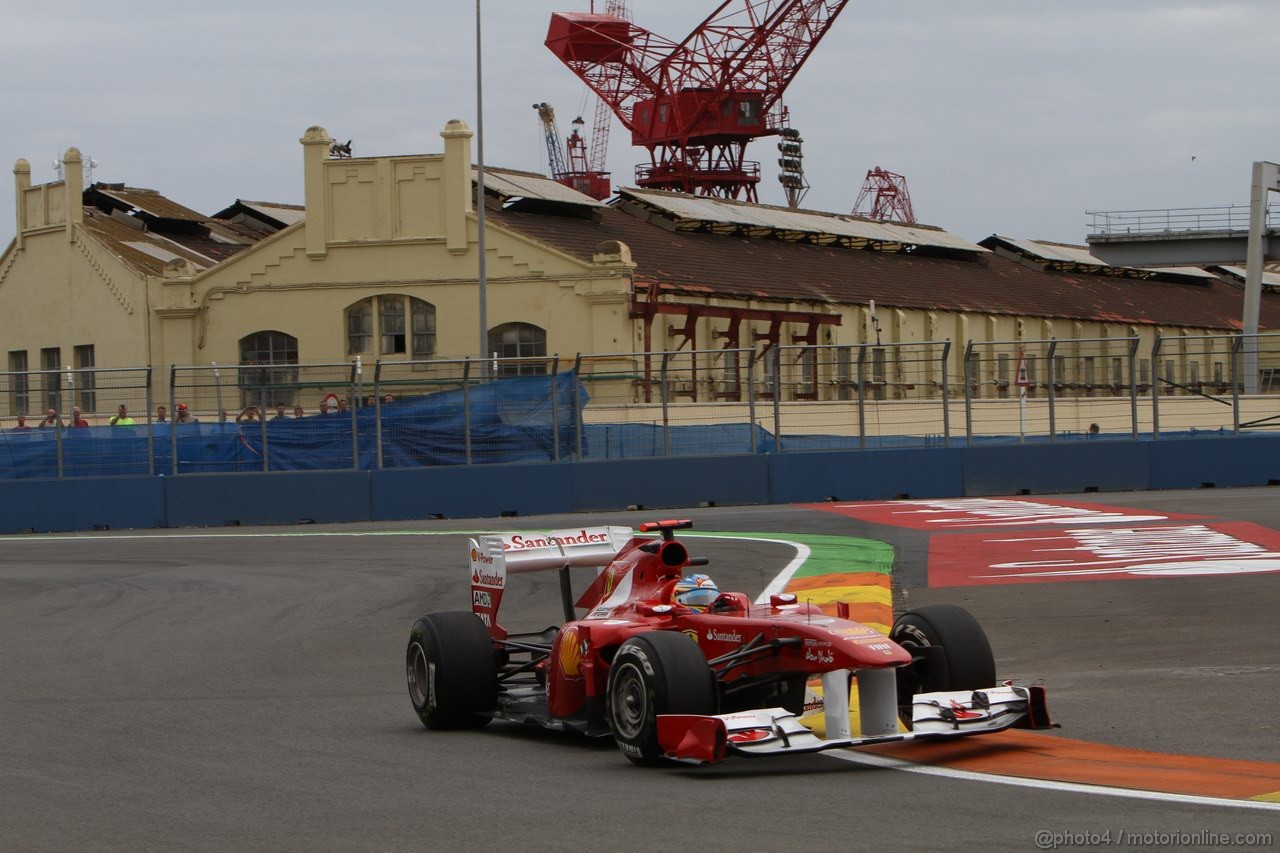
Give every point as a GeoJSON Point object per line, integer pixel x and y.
{"type": "Point", "coordinates": [22, 423]}
{"type": "Point", "coordinates": [297, 412]}
{"type": "Point", "coordinates": [248, 416]}
{"type": "Point", "coordinates": [76, 420]}
{"type": "Point", "coordinates": [280, 413]}
{"type": "Point", "coordinates": [51, 420]}
{"type": "Point", "coordinates": [162, 415]}
{"type": "Point", "coordinates": [121, 417]}
{"type": "Point", "coordinates": [185, 416]}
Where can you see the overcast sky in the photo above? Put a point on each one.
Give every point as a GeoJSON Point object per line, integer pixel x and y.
{"type": "Point", "coordinates": [1006, 116]}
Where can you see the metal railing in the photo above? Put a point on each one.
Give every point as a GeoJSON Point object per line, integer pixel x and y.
{"type": "Point", "coordinates": [679, 403]}
{"type": "Point", "coordinates": [1231, 217]}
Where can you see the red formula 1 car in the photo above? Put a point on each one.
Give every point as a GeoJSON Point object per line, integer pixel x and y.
{"type": "Point", "coordinates": [669, 681]}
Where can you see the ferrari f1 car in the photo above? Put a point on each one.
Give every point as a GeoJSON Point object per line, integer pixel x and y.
{"type": "Point", "coordinates": [669, 681]}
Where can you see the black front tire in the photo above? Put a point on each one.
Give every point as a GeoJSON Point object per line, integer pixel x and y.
{"type": "Point", "coordinates": [452, 671]}
{"type": "Point", "coordinates": [662, 672]}
{"type": "Point", "coordinates": [954, 650]}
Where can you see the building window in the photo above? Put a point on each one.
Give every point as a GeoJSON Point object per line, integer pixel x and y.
{"type": "Point", "coordinates": [844, 372]}
{"type": "Point", "coordinates": [51, 364]}
{"type": "Point", "coordinates": [1170, 376]}
{"type": "Point", "coordinates": [1144, 371]}
{"type": "Point", "coordinates": [86, 380]}
{"type": "Point", "coordinates": [405, 324]}
{"type": "Point", "coordinates": [19, 385]}
{"type": "Point", "coordinates": [1060, 371]}
{"type": "Point", "coordinates": [1193, 374]}
{"type": "Point", "coordinates": [360, 327]}
{"type": "Point", "coordinates": [1029, 367]}
{"type": "Point", "coordinates": [1088, 375]}
{"type": "Point", "coordinates": [391, 324]}
{"type": "Point", "coordinates": [1002, 374]}
{"type": "Point", "coordinates": [519, 340]}
{"type": "Point", "coordinates": [263, 381]}
{"type": "Point", "coordinates": [879, 373]}
{"type": "Point", "coordinates": [1218, 374]}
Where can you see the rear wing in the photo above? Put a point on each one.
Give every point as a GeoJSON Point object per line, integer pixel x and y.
{"type": "Point", "coordinates": [491, 557]}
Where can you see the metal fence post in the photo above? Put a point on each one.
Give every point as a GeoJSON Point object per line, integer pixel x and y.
{"type": "Point", "coordinates": [377, 412]}
{"type": "Point", "coordinates": [1051, 374]}
{"type": "Point", "coordinates": [1155, 387]}
{"type": "Point", "coordinates": [173, 420]}
{"type": "Point", "coordinates": [1133, 385]}
{"type": "Point", "coordinates": [151, 447]}
{"type": "Point", "coordinates": [968, 393]}
{"type": "Point", "coordinates": [466, 407]}
{"type": "Point", "coordinates": [862, 396]}
{"type": "Point", "coordinates": [353, 407]}
{"type": "Point", "coordinates": [555, 408]}
{"type": "Point", "coordinates": [1237, 346]}
{"type": "Point", "coordinates": [57, 426]}
{"type": "Point", "coordinates": [666, 416]}
{"type": "Point", "coordinates": [577, 407]}
{"type": "Point", "coordinates": [776, 354]}
{"type": "Point", "coordinates": [946, 394]}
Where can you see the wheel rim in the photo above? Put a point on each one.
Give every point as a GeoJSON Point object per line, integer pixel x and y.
{"type": "Point", "coordinates": [418, 671]}
{"type": "Point", "coordinates": [630, 702]}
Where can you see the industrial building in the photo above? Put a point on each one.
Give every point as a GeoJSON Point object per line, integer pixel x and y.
{"type": "Point", "coordinates": [381, 263]}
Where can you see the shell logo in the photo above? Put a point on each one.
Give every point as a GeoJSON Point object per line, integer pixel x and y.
{"type": "Point", "coordinates": [570, 654]}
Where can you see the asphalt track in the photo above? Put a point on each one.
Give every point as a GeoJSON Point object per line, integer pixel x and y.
{"type": "Point", "coordinates": [243, 688]}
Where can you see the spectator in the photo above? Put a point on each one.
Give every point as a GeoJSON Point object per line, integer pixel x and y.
{"type": "Point", "coordinates": [297, 412]}
{"type": "Point", "coordinates": [51, 419]}
{"type": "Point", "coordinates": [387, 398]}
{"type": "Point", "coordinates": [22, 423]}
{"type": "Point", "coordinates": [279, 415]}
{"type": "Point", "coordinates": [248, 416]}
{"type": "Point", "coordinates": [185, 416]}
{"type": "Point", "coordinates": [328, 404]}
{"type": "Point", "coordinates": [162, 415]}
{"type": "Point", "coordinates": [76, 420]}
{"type": "Point", "coordinates": [121, 417]}
{"type": "Point", "coordinates": [1094, 429]}
{"type": "Point", "coordinates": [342, 404]}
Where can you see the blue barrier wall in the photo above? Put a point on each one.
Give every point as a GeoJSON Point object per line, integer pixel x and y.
{"type": "Point", "coordinates": [84, 503]}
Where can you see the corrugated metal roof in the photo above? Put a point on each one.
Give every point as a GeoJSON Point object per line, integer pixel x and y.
{"type": "Point", "coordinates": [1194, 272]}
{"type": "Point", "coordinates": [512, 184]}
{"type": "Point", "coordinates": [1269, 279]}
{"type": "Point", "coordinates": [286, 213]}
{"type": "Point", "coordinates": [702, 211]}
{"type": "Point", "coordinates": [149, 201]}
{"type": "Point", "coordinates": [1053, 251]}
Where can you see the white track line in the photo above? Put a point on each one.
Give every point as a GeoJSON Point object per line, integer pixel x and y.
{"type": "Point", "coordinates": [889, 763]}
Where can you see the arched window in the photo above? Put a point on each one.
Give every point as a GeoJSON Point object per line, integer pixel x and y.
{"type": "Point", "coordinates": [266, 377]}
{"type": "Point", "coordinates": [519, 340]}
{"type": "Point", "coordinates": [406, 326]}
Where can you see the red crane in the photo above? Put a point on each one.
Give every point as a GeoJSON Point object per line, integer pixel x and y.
{"type": "Point", "coordinates": [884, 197]}
{"type": "Point", "coordinates": [695, 105]}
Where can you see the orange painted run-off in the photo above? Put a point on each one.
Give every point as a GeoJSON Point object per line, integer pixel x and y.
{"type": "Point", "coordinates": [1035, 755]}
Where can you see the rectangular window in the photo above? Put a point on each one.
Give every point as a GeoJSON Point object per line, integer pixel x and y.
{"type": "Point", "coordinates": [844, 372]}
{"type": "Point", "coordinates": [1088, 375]}
{"type": "Point", "coordinates": [808, 389]}
{"type": "Point", "coordinates": [51, 364]}
{"type": "Point", "coordinates": [1060, 371]}
{"type": "Point", "coordinates": [86, 380]}
{"type": "Point", "coordinates": [1218, 374]}
{"type": "Point", "coordinates": [19, 383]}
{"type": "Point", "coordinates": [1170, 373]}
{"type": "Point", "coordinates": [1029, 365]}
{"type": "Point", "coordinates": [424, 329]}
{"type": "Point", "coordinates": [1193, 374]}
{"type": "Point", "coordinates": [731, 385]}
{"type": "Point", "coordinates": [1117, 372]}
{"type": "Point", "coordinates": [360, 327]}
{"type": "Point", "coordinates": [1002, 375]}
{"type": "Point", "coordinates": [1144, 371]}
{"type": "Point", "coordinates": [391, 323]}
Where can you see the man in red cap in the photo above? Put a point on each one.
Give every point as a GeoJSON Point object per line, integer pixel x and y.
{"type": "Point", "coordinates": [184, 415]}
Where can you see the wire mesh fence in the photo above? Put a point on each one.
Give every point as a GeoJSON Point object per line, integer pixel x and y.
{"type": "Point", "coordinates": [682, 403]}
{"type": "Point", "coordinates": [71, 423]}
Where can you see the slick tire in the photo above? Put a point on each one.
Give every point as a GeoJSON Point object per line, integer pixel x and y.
{"type": "Point", "coordinates": [963, 660]}
{"type": "Point", "coordinates": [662, 672]}
{"type": "Point", "coordinates": [452, 671]}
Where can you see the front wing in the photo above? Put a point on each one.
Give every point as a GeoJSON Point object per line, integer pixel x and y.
{"type": "Point", "coordinates": [701, 739]}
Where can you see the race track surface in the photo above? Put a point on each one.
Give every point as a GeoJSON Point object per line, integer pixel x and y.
{"type": "Point", "coordinates": [243, 688]}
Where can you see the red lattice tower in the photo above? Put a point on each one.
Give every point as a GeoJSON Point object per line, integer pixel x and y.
{"type": "Point", "coordinates": [695, 105]}
{"type": "Point", "coordinates": [884, 196]}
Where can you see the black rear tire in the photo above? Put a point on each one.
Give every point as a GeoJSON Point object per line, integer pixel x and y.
{"type": "Point", "coordinates": [662, 672]}
{"type": "Point", "coordinates": [966, 662]}
{"type": "Point", "coordinates": [452, 671]}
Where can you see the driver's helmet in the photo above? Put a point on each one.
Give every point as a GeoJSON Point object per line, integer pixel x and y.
{"type": "Point", "coordinates": [696, 592]}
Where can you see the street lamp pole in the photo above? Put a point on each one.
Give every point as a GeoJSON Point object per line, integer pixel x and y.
{"type": "Point", "coordinates": [480, 248]}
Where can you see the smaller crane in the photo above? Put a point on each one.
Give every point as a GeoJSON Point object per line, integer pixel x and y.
{"type": "Point", "coordinates": [884, 197]}
{"type": "Point", "coordinates": [576, 173]}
